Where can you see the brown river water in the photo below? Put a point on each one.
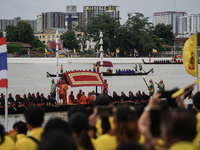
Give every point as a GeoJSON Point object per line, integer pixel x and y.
{"type": "Point", "coordinates": [31, 77]}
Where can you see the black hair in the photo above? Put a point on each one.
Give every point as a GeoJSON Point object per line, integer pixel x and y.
{"type": "Point", "coordinates": [103, 100]}
{"type": "Point", "coordinates": [57, 140]}
{"type": "Point", "coordinates": [196, 100]}
{"type": "Point", "coordinates": [21, 127]}
{"type": "Point", "coordinates": [2, 133]}
{"type": "Point", "coordinates": [130, 145]}
{"type": "Point", "coordinates": [77, 108]}
{"type": "Point", "coordinates": [34, 115]}
{"type": "Point", "coordinates": [57, 124]}
{"type": "Point", "coordinates": [139, 109]}
{"type": "Point", "coordinates": [181, 123]}
{"type": "Point", "coordinates": [79, 124]}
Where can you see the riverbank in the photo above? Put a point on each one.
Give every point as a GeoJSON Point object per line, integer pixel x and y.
{"type": "Point", "coordinates": [118, 60]}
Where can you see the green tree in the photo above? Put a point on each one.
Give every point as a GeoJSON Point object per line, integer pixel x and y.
{"type": "Point", "coordinates": [11, 33]}
{"type": "Point", "coordinates": [1, 34]}
{"type": "Point", "coordinates": [36, 43]}
{"type": "Point", "coordinates": [24, 32]}
{"type": "Point", "coordinates": [83, 36]}
{"type": "Point", "coordinates": [109, 27]}
{"type": "Point", "coordinates": [136, 34]}
{"type": "Point", "coordinates": [165, 32]}
{"type": "Point", "coordinates": [70, 40]}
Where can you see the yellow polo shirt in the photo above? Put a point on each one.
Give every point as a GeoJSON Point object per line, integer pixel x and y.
{"type": "Point", "coordinates": [196, 141]}
{"type": "Point", "coordinates": [8, 144]}
{"type": "Point", "coordinates": [97, 145]}
{"type": "Point", "coordinates": [99, 128]}
{"type": "Point", "coordinates": [183, 145]}
{"type": "Point", "coordinates": [27, 143]}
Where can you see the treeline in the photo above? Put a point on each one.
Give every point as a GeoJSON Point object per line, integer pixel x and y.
{"type": "Point", "coordinates": [22, 33]}
{"type": "Point", "coordinates": [136, 33]}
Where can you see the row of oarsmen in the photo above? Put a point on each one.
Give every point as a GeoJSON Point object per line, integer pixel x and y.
{"type": "Point", "coordinates": [27, 100]}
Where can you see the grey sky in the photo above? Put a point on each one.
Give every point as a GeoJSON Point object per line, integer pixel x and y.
{"type": "Point", "coordinates": [29, 9]}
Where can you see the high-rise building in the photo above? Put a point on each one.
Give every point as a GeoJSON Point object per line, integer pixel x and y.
{"type": "Point", "coordinates": [59, 19]}
{"type": "Point", "coordinates": [189, 24]}
{"type": "Point", "coordinates": [169, 17]}
{"type": "Point", "coordinates": [51, 20]}
{"type": "Point", "coordinates": [93, 11]}
{"type": "Point", "coordinates": [72, 16]}
{"type": "Point", "coordinates": [14, 22]}
{"type": "Point", "coordinates": [194, 22]}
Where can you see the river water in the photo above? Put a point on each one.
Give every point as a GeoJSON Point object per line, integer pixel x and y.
{"type": "Point", "coordinates": [31, 77]}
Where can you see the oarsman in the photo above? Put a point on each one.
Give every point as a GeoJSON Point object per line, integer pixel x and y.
{"type": "Point", "coordinates": [135, 67]}
{"type": "Point", "coordinates": [61, 69]}
{"type": "Point", "coordinates": [53, 89]}
{"type": "Point", "coordinates": [161, 85]}
{"type": "Point", "coordinates": [10, 99]}
{"type": "Point", "coordinates": [151, 87]}
{"type": "Point", "coordinates": [140, 67]}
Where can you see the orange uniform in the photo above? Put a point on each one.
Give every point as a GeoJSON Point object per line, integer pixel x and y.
{"type": "Point", "coordinates": [90, 99]}
{"type": "Point", "coordinates": [71, 99]}
{"type": "Point", "coordinates": [63, 93]}
{"type": "Point", "coordinates": [97, 67]}
{"type": "Point", "coordinates": [78, 96]}
{"type": "Point", "coordinates": [83, 100]}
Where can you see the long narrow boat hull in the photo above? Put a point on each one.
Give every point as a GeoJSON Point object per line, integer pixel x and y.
{"type": "Point", "coordinates": [127, 74]}
{"type": "Point", "coordinates": [162, 63]}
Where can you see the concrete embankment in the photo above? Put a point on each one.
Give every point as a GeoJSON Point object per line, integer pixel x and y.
{"type": "Point", "coordinates": [84, 60]}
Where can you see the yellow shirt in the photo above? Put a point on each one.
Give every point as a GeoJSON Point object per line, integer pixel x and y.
{"type": "Point", "coordinates": [97, 145]}
{"type": "Point", "coordinates": [99, 128]}
{"type": "Point", "coordinates": [109, 142]}
{"type": "Point", "coordinates": [197, 138]}
{"type": "Point", "coordinates": [183, 145]}
{"type": "Point", "coordinates": [27, 143]}
{"type": "Point", "coordinates": [8, 144]}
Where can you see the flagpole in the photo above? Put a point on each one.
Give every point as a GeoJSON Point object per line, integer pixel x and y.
{"type": "Point", "coordinates": [101, 56]}
{"type": "Point", "coordinates": [197, 60]}
{"type": "Point", "coordinates": [6, 97]}
{"type": "Point", "coordinates": [57, 96]}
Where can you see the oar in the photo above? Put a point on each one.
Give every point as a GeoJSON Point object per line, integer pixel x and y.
{"type": "Point", "coordinates": [146, 83]}
{"type": "Point", "coordinates": [13, 107]}
{"type": "Point", "coordinates": [159, 86]}
{"type": "Point", "coordinates": [23, 105]}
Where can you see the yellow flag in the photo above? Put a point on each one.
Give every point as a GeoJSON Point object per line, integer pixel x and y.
{"type": "Point", "coordinates": [154, 50]}
{"type": "Point", "coordinates": [45, 50]}
{"type": "Point", "coordinates": [74, 50]}
{"type": "Point", "coordinates": [117, 51]}
{"type": "Point", "coordinates": [190, 55]}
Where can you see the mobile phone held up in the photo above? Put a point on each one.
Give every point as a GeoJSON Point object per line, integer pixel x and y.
{"type": "Point", "coordinates": [155, 118]}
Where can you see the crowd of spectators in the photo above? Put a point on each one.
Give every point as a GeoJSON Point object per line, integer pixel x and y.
{"type": "Point", "coordinates": [157, 126]}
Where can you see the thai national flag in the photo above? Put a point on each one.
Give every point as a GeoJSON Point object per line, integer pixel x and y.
{"type": "Point", "coordinates": [98, 52]}
{"type": "Point", "coordinates": [135, 51]}
{"type": "Point", "coordinates": [3, 63]}
{"type": "Point", "coordinates": [65, 50]}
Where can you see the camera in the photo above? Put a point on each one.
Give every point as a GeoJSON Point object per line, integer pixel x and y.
{"type": "Point", "coordinates": [168, 96]}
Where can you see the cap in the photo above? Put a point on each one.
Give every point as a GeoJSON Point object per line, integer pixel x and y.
{"type": "Point", "coordinates": [150, 79]}
{"type": "Point", "coordinates": [161, 80]}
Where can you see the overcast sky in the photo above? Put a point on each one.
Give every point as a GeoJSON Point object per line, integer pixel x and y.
{"type": "Point", "coordinates": [29, 9]}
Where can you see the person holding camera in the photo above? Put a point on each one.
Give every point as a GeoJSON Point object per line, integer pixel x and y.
{"type": "Point", "coordinates": [161, 85]}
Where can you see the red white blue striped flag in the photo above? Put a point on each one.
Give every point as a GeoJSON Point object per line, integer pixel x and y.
{"type": "Point", "coordinates": [3, 63]}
